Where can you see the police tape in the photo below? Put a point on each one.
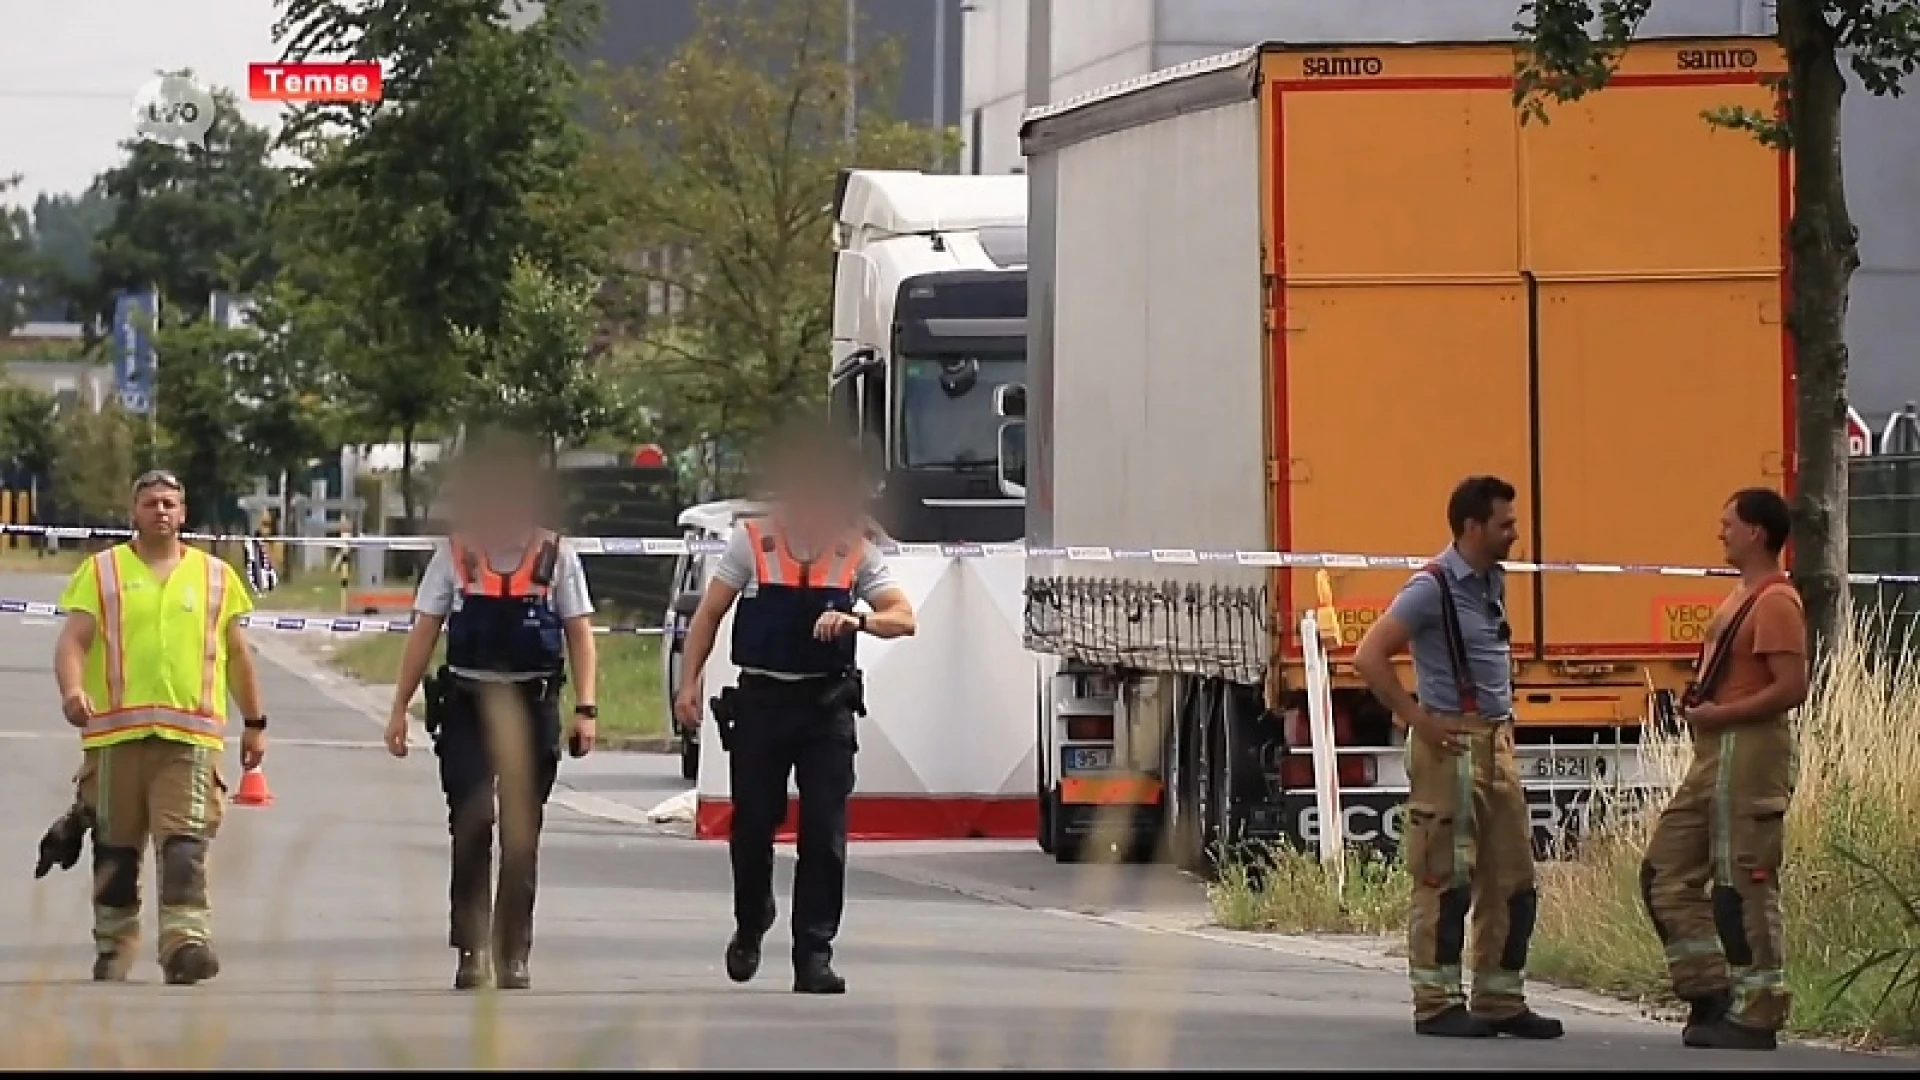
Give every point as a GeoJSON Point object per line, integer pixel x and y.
{"type": "Point", "coordinates": [325, 624]}
{"type": "Point", "coordinates": [1279, 560]}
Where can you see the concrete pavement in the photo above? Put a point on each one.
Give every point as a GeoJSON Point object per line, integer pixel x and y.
{"type": "Point", "coordinates": [330, 923]}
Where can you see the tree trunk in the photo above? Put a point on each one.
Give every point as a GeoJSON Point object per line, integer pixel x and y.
{"type": "Point", "coordinates": [407, 432]}
{"type": "Point", "coordinates": [1822, 254]}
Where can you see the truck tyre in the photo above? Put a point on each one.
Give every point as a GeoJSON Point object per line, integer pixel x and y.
{"type": "Point", "coordinates": [1064, 847]}
{"type": "Point", "coordinates": [1228, 777]}
{"type": "Point", "coordinates": [689, 758]}
{"type": "Point", "coordinates": [1042, 791]}
{"type": "Point", "coordinates": [1185, 828]}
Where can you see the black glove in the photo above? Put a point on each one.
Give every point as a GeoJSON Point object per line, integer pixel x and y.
{"type": "Point", "coordinates": [63, 840]}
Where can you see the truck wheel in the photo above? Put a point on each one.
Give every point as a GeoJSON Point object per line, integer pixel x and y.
{"type": "Point", "coordinates": [1226, 747]}
{"type": "Point", "coordinates": [1042, 791]}
{"type": "Point", "coordinates": [689, 758]}
{"type": "Point", "coordinates": [1186, 832]}
{"type": "Point", "coordinates": [1064, 847]}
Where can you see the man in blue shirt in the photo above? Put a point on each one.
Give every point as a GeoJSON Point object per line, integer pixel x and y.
{"type": "Point", "coordinates": [1469, 840]}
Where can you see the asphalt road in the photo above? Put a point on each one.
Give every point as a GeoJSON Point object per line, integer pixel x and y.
{"type": "Point", "coordinates": [330, 925]}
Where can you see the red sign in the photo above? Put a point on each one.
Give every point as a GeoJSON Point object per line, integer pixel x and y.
{"type": "Point", "coordinates": [1859, 436]}
{"type": "Point", "coordinates": [313, 82]}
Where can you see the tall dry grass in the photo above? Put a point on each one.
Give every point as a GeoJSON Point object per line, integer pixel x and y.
{"type": "Point", "coordinates": [1851, 886]}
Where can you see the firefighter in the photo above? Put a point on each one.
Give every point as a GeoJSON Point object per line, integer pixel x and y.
{"type": "Point", "coordinates": [797, 575]}
{"type": "Point", "coordinates": [1711, 875]}
{"type": "Point", "coordinates": [151, 649]}
{"type": "Point", "coordinates": [1469, 839]}
{"type": "Point", "coordinates": [513, 600]}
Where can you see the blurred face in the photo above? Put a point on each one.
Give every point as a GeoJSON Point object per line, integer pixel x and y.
{"type": "Point", "coordinates": [817, 496]}
{"type": "Point", "coordinates": [159, 509]}
{"type": "Point", "coordinates": [1739, 540]}
{"type": "Point", "coordinates": [1495, 537]}
{"type": "Point", "coordinates": [497, 496]}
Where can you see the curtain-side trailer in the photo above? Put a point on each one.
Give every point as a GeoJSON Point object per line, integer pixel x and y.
{"type": "Point", "coordinates": [1282, 300]}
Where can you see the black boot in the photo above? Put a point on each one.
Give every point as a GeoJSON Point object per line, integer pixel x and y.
{"type": "Point", "coordinates": [191, 963]}
{"type": "Point", "coordinates": [61, 844]}
{"type": "Point", "coordinates": [743, 950]}
{"type": "Point", "coordinates": [471, 972]}
{"type": "Point", "coordinates": [1707, 1010]}
{"type": "Point", "coordinates": [815, 975]}
{"type": "Point", "coordinates": [1528, 1024]}
{"type": "Point", "coordinates": [1729, 1034]}
{"type": "Point", "coordinates": [1455, 1023]}
{"type": "Point", "coordinates": [112, 966]}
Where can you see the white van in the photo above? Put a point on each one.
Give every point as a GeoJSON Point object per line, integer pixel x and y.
{"type": "Point", "coordinates": [709, 524]}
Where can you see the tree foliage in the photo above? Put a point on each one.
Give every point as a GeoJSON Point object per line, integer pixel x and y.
{"type": "Point", "coordinates": [187, 220]}
{"type": "Point", "coordinates": [535, 374]}
{"type": "Point", "coordinates": [199, 411]}
{"type": "Point", "coordinates": [64, 227]}
{"type": "Point", "coordinates": [721, 162]}
{"type": "Point", "coordinates": [415, 206]}
{"type": "Point", "coordinates": [17, 264]}
{"type": "Point", "coordinates": [28, 430]}
{"type": "Point", "coordinates": [95, 459]}
{"type": "Point", "coordinates": [1574, 46]}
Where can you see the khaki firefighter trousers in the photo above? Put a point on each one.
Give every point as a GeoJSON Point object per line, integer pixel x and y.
{"type": "Point", "coordinates": [1711, 878]}
{"type": "Point", "coordinates": [1469, 850]}
{"type": "Point", "coordinates": [172, 794]}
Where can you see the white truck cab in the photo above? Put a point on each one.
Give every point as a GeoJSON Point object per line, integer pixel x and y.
{"type": "Point", "coordinates": [708, 526]}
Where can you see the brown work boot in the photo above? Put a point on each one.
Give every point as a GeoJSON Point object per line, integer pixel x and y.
{"type": "Point", "coordinates": [191, 963]}
{"type": "Point", "coordinates": [1454, 1023]}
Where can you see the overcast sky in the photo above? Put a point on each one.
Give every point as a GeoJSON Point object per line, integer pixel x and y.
{"type": "Point", "coordinates": [69, 70]}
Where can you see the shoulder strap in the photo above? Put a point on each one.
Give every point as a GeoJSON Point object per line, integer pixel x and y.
{"type": "Point", "coordinates": [1456, 641]}
{"type": "Point", "coordinates": [1717, 654]}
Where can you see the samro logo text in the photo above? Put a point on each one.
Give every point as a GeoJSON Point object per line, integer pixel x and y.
{"type": "Point", "coordinates": [301, 83]}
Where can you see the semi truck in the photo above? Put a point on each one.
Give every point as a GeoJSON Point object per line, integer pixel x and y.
{"type": "Point", "coordinates": [929, 321]}
{"type": "Point", "coordinates": [1281, 301]}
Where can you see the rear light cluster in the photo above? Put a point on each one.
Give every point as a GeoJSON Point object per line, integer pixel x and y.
{"type": "Point", "coordinates": [1296, 764]}
{"type": "Point", "coordinates": [1089, 729]}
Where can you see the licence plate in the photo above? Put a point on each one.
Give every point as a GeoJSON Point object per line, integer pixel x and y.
{"type": "Point", "coordinates": [1558, 767]}
{"type": "Point", "coordinates": [1089, 758]}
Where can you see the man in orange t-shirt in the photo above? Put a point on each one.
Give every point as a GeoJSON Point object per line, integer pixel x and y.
{"type": "Point", "coordinates": [1711, 875]}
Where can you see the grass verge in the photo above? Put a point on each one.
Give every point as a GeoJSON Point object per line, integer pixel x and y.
{"type": "Point", "coordinates": [1851, 885]}
{"type": "Point", "coordinates": [632, 704]}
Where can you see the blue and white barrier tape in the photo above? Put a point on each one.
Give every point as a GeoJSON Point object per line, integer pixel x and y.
{"type": "Point", "coordinates": [302, 623]}
{"type": "Point", "coordinates": [1297, 560]}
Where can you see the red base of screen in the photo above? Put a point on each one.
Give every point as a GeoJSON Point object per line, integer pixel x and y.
{"type": "Point", "coordinates": [901, 817]}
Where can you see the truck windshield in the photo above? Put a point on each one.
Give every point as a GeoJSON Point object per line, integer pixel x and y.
{"type": "Point", "coordinates": [946, 408]}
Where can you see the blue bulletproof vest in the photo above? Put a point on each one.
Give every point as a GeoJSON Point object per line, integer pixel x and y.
{"type": "Point", "coordinates": [773, 625]}
{"type": "Point", "coordinates": [506, 622]}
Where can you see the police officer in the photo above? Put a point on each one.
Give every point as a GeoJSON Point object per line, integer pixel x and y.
{"type": "Point", "coordinates": [797, 575]}
{"type": "Point", "coordinates": [1711, 878]}
{"type": "Point", "coordinates": [1469, 840]}
{"type": "Point", "coordinates": [508, 594]}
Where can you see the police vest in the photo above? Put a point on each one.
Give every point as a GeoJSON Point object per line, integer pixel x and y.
{"type": "Point", "coordinates": [158, 665]}
{"type": "Point", "coordinates": [773, 624]}
{"type": "Point", "coordinates": [506, 622]}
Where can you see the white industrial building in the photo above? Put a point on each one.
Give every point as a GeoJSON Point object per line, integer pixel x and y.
{"type": "Point", "coordinates": [1100, 42]}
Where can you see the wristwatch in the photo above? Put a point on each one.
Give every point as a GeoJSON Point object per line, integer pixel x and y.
{"type": "Point", "coordinates": [860, 623]}
{"type": "Point", "coordinates": [255, 723]}
{"type": "Point", "coordinates": [591, 712]}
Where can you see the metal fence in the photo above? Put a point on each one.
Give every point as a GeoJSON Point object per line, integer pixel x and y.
{"type": "Point", "coordinates": [1883, 520]}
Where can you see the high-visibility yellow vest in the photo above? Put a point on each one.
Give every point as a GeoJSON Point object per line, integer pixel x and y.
{"type": "Point", "coordinates": [158, 665]}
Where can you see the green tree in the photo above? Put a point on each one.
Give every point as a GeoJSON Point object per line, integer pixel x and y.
{"type": "Point", "coordinates": [415, 206]}
{"type": "Point", "coordinates": [19, 270]}
{"type": "Point", "coordinates": [721, 163]}
{"type": "Point", "coordinates": [64, 227]}
{"type": "Point", "coordinates": [198, 412]}
{"type": "Point", "coordinates": [95, 459]}
{"type": "Point", "coordinates": [190, 221]}
{"type": "Point", "coordinates": [536, 373]}
{"type": "Point", "coordinates": [27, 431]}
{"type": "Point", "coordinates": [1574, 46]}
{"type": "Point", "coordinates": [286, 389]}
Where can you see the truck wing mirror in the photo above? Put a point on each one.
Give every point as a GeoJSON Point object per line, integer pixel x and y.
{"type": "Point", "coordinates": [1009, 401]}
{"type": "Point", "coordinates": [1012, 459]}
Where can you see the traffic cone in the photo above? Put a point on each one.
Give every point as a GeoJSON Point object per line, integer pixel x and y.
{"type": "Point", "coordinates": [253, 789]}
